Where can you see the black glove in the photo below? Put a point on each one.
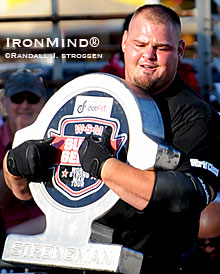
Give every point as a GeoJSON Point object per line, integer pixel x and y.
{"type": "Point", "coordinates": [93, 152]}
{"type": "Point", "coordinates": [31, 159]}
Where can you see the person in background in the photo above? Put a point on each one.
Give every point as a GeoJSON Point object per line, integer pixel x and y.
{"type": "Point", "coordinates": [205, 256]}
{"type": "Point", "coordinates": [24, 97]}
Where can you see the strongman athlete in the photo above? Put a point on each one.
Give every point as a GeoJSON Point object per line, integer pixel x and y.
{"type": "Point", "coordinates": [158, 213]}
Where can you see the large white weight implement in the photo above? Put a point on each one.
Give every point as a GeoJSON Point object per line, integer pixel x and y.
{"type": "Point", "coordinates": [72, 200]}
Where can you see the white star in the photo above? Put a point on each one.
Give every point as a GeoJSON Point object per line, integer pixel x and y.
{"type": "Point", "coordinates": [65, 173]}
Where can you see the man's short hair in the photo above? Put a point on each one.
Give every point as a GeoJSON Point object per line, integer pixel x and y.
{"type": "Point", "coordinates": [159, 14]}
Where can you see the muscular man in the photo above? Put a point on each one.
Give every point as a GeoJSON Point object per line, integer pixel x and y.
{"type": "Point", "coordinates": [158, 213]}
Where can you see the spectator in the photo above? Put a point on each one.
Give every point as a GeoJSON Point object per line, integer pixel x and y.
{"type": "Point", "coordinates": [23, 99]}
{"type": "Point", "coordinates": [205, 256]}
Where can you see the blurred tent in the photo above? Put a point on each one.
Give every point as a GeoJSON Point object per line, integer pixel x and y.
{"type": "Point", "coordinates": [22, 8]}
{"type": "Point", "coordinates": [43, 8]}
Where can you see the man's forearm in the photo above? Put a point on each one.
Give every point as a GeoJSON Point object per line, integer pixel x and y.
{"type": "Point", "coordinates": [17, 184]}
{"type": "Point", "coordinates": [133, 185]}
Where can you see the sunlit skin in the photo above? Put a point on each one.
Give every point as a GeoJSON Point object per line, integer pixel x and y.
{"type": "Point", "coordinates": [152, 52]}
{"type": "Point", "coordinates": [210, 228]}
{"type": "Point", "coordinates": [21, 115]}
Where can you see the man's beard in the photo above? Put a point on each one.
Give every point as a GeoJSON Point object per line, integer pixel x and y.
{"type": "Point", "coordinates": [147, 85]}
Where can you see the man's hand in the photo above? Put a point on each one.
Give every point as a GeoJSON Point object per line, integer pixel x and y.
{"type": "Point", "coordinates": [31, 159]}
{"type": "Point", "coordinates": [94, 152]}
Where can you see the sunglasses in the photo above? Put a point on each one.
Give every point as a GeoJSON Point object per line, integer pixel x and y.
{"type": "Point", "coordinates": [21, 97]}
{"type": "Point", "coordinates": [212, 242]}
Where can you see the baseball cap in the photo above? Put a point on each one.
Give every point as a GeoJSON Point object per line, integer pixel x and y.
{"type": "Point", "coordinates": [24, 80]}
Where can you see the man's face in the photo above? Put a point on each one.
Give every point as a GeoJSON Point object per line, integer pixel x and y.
{"type": "Point", "coordinates": [152, 52]}
{"type": "Point", "coordinates": [210, 246]}
{"type": "Point", "coordinates": [209, 231]}
{"type": "Point", "coordinates": [22, 114]}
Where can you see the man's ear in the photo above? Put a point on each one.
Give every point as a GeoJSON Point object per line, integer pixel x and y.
{"type": "Point", "coordinates": [124, 40]}
{"type": "Point", "coordinates": [181, 49]}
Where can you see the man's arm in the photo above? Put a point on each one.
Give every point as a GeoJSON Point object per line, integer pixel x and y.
{"type": "Point", "coordinates": [28, 162]}
{"type": "Point", "coordinates": [137, 187]}
{"type": "Point", "coordinates": [133, 185]}
{"type": "Point", "coordinates": [17, 184]}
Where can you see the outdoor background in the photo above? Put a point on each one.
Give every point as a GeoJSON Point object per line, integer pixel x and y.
{"type": "Point", "coordinates": [36, 19]}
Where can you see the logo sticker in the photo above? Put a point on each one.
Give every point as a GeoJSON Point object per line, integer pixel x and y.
{"type": "Point", "coordinates": [93, 106]}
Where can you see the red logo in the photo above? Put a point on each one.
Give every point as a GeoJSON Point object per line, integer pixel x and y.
{"type": "Point", "coordinates": [69, 177]}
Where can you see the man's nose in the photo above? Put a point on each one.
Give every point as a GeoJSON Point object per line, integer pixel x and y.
{"type": "Point", "coordinates": [149, 52]}
{"type": "Point", "coordinates": [25, 103]}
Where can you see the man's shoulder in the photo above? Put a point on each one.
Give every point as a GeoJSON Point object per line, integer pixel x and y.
{"type": "Point", "coordinates": [186, 99]}
{"type": "Point", "coordinates": [179, 89]}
